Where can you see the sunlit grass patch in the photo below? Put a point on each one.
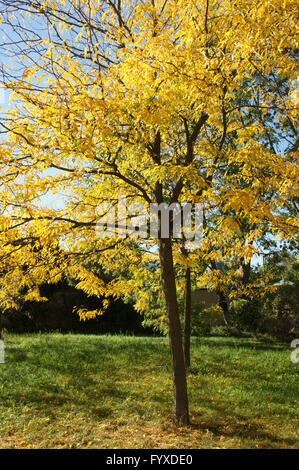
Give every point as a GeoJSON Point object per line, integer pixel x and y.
{"type": "Point", "coordinates": [75, 391]}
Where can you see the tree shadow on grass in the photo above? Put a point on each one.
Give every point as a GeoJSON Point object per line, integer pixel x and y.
{"type": "Point", "coordinates": [239, 426]}
{"type": "Point", "coordinates": [101, 348]}
{"type": "Point", "coordinates": [16, 354]}
{"type": "Point", "coordinates": [87, 376]}
{"type": "Point", "coordinates": [253, 344]}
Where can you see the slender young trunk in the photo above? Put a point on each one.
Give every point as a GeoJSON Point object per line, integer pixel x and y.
{"type": "Point", "coordinates": [187, 317]}
{"type": "Point", "coordinates": [180, 395]}
{"type": "Point", "coordinates": [246, 273]}
{"type": "Point", "coordinates": [224, 306]}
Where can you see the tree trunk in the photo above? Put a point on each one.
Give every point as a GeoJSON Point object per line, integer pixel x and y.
{"type": "Point", "coordinates": [246, 273]}
{"type": "Point", "coordinates": [224, 306]}
{"type": "Point", "coordinates": [187, 318]}
{"type": "Point", "coordinates": [180, 395]}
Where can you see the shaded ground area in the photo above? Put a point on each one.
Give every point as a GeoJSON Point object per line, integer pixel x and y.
{"type": "Point", "coordinates": [116, 392]}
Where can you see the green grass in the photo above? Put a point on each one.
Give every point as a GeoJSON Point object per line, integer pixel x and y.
{"type": "Point", "coordinates": [77, 391]}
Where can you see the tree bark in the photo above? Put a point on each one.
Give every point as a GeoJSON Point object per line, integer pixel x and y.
{"type": "Point", "coordinates": [246, 268]}
{"type": "Point", "coordinates": [223, 305]}
{"type": "Point", "coordinates": [187, 318]}
{"type": "Point", "coordinates": [180, 396]}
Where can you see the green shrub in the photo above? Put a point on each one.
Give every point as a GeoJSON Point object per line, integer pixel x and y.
{"type": "Point", "coordinates": [275, 314]}
{"type": "Point", "coordinates": [203, 318]}
{"type": "Point", "coordinates": [244, 314]}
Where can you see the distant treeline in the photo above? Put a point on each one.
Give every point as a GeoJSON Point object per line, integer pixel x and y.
{"type": "Point", "coordinates": [57, 314]}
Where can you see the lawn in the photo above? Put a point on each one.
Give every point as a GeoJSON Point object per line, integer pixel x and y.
{"type": "Point", "coordinates": [87, 391]}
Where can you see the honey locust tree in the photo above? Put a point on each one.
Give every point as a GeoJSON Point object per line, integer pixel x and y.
{"type": "Point", "coordinates": [223, 266]}
{"type": "Point", "coordinates": [137, 99]}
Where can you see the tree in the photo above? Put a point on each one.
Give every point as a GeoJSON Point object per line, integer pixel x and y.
{"type": "Point", "coordinates": [138, 99]}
